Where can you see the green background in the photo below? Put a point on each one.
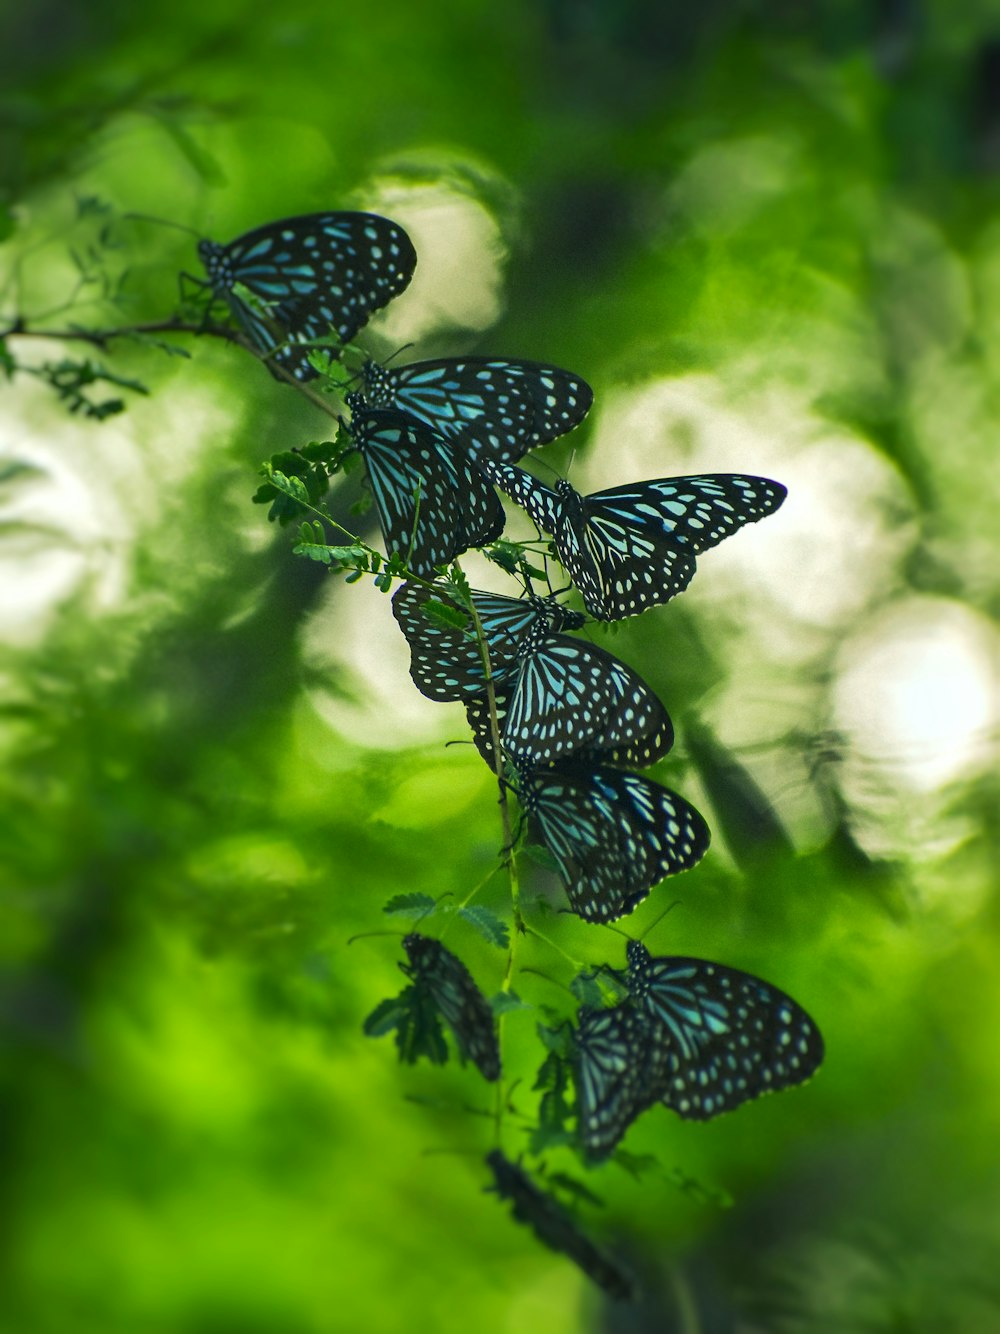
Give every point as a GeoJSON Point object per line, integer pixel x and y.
{"type": "Point", "coordinates": [768, 238]}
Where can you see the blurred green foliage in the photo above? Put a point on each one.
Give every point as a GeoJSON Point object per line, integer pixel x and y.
{"type": "Point", "coordinates": [777, 228]}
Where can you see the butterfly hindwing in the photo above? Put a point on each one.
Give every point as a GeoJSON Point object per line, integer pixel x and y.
{"type": "Point", "coordinates": [615, 1076]}
{"type": "Point", "coordinates": [497, 408]}
{"type": "Point", "coordinates": [315, 275]}
{"type": "Point", "coordinates": [445, 661]}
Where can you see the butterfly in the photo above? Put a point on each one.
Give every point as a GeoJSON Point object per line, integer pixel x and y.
{"type": "Point", "coordinates": [432, 502]}
{"type": "Point", "coordinates": [634, 546]}
{"type": "Point", "coordinates": [727, 1036]}
{"type": "Point", "coordinates": [555, 1226]}
{"type": "Point", "coordinates": [613, 835]}
{"type": "Point", "coordinates": [314, 275]}
{"type": "Point", "coordinates": [443, 977]}
{"type": "Point", "coordinates": [496, 407]}
{"type": "Point", "coordinates": [554, 695]}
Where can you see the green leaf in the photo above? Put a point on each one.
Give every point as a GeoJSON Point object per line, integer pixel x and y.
{"type": "Point", "coordinates": [411, 905]}
{"type": "Point", "coordinates": [637, 1165]}
{"type": "Point", "coordinates": [506, 1001]}
{"type": "Point", "coordinates": [540, 856]}
{"type": "Point", "coordinates": [314, 551]}
{"type": "Point", "coordinates": [444, 613]}
{"type": "Point", "coordinates": [573, 1187]}
{"type": "Point", "coordinates": [557, 1040]}
{"type": "Point", "coordinates": [487, 924]}
{"type": "Point", "coordinates": [586, 990]}
{"type": "Point", "coordinates": [549, 1073]}
{"type": "Point", "coordinates": [386, 1016]}
{"type": "Point", "coordinates": [290, 486]}
{"type": "Point", "coordinates": [550, 1135]}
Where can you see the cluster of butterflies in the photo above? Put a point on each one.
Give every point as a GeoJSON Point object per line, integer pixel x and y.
{"type": "Point", "coordinates": [439, 439]}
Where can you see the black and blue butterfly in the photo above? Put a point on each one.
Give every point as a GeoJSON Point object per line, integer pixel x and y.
{"type": "Point", "coordinates": [311, 277]}
{"type": "Point", "coordinates": [555, 696]}
{"type": "Point", "coordinates": [634, 546]}
{"type": "Point", "coordinates": [613, 835]}
{"type": "Point", "coordinates": [444, 977]}
{"type": "Point", "coordinates": [498, 408]}
{"type": "Point", "coordinates": [698, 1036]}
{"type": "Point", "coordinates": [432, 501]}
{"type": "Point", "coordinates": [730, 1036]}
{"type": "Point", "coordinates": [441, 987]}
{"type": "Point", "coordinates": [555, 1226]}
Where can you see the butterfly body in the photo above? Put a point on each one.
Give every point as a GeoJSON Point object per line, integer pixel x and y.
{"type": "Point", "coordinates": [496, 407]}
{"type": "Point", "coordinates": [312, 276]}
{"type": "Point", "coordinates": [633, 547]}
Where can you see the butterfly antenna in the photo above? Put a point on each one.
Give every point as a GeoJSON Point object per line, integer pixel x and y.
{"type": "Point", "coordinates": [364, 935]}
{"type": "Point", "coordinates": [398, 352]}
{"type": "Point", "coordinates": [161, 222]}
{"type": "Point", "coordinates": [657, 920]}
{"type": "Point", "coordinates": [537, 972]}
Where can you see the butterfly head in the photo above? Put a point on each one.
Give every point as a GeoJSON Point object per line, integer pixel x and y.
{"type": "Point", "coordinates": [554, 616]}
{"type": "Point", "coordinates": [419, 950]}
{"type": "Point", "coordinates": [570, 499]}
{"type": "Point", "coordinates": [638, 954]}
{"type": "Point", "coordinates": [212, 255]}
{"type": "Point", "coordinates": [357, 403]}
{"type": "Point", "coordinates": [377, 383]}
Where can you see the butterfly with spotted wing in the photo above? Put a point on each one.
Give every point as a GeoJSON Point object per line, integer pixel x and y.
{"type": "Point", "coordinates": [634, 546]}
{"type": "Point", "coordinates": [495, 407]}
{"type": "Point", "coordinates": [310, 277]}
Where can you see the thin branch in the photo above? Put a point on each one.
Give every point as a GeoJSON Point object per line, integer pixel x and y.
{"type": "Point", "coordinates": [20, 328]}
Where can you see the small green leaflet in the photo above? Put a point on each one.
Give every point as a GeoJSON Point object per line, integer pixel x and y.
{"type": "Point", "coordinates": [540, 856]}
{"type": "Point", "coordinates": [385, 1017]}
{"type": "Point", "coordinates": [417, 1024]}
{"type": "Point", "coordinates": [573, 1187]}
{"type": "Point", "coordinates": [487, 924]}
{"type": "Point", "coordinates": [410, 905]}
{"type": "Point", "coordinates": [506, 1001]}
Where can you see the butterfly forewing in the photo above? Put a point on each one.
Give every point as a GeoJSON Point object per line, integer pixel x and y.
{"type": "Point", "coordinates": [461, 1003]}
{"type": "Point", "coordinates": [315, 275]}
{"type": "Point", "coordinates": [613, 835]}
{"type": "Point", "coordinates": [497, 408]}
{"type": "Point", "coordinates": [728, 1036]}
{"type": "Point", "coordinates": [697, 512]}
{"type": "Point", "coordinates": [541, 503]}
